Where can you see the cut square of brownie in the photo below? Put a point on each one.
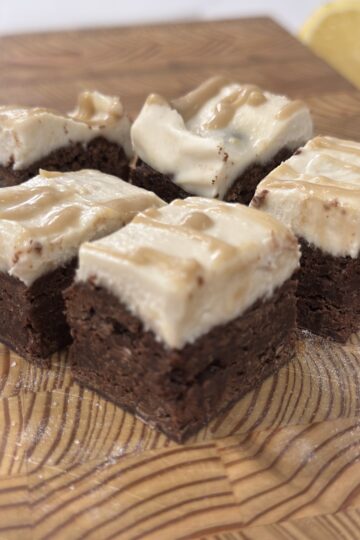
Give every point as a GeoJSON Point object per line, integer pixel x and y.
{"type": "Point", "coordinates": [96, 135]}
{"type": "Point", "coordinates": [218, 141]}
{"type": "Point", "coordinates": [42, 224]}
{"type": "Point", "coordinates": [184, 310]}
{"type": "Point", "coordinates": [316, 193]}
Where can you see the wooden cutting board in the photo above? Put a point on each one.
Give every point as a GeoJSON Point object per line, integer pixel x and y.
{"type": "Point", "coordinates": [284, 462]}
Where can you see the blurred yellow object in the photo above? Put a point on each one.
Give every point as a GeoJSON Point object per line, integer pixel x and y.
{"type": "Point", "coordinates": [333, 33]}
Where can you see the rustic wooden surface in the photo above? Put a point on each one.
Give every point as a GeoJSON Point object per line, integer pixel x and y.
{"type": "Point", "coordinates": [284, 462]}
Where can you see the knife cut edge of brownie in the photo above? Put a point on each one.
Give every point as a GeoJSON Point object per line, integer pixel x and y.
{"type": "Point", "coordinates": [316, 193]}
{"type": "Point", "coordinates": [42, 224]}
{"type": "Point", "coordinates": [176, 391]}
{"type": "Point", "coordinates": [99, 154]}
{"type": "Point", "coordinates": [194, 284]}
{"type": "Point", "coordinates": [96, 135]}
{"type": "Point", "coordinates": [217, 141]}
{"type": "Point", "coordinates": [242, 190]}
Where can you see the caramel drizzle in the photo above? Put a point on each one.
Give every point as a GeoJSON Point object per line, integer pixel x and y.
{"type": "Point", "coordinates": [319, 143]}
{"type": "Point", "coordinates": [283, 171]}
{"type": "Point", "coordinates": [57, 222]}
{"type": "Point", "coordinates": [221, 208]}
{"type": "Point", "coordinates": [192, 102]}
{"type": "Point", "coordinates": [156, 99]}
{"type": "Point", "coordinates": [343, 164]}
{"type": "Point", "coordinates": [178, 267]}
{"type": "Point", "coordinates": [320, 185]}
{"type": "Point", "coordinates": [198, 221]}
{"type": "Point", "coordinates": [23, 204]}
{"type": "Point", "coordinates": [227, 107]}
{"type": "Point", "coordinates": [289, 109]}
{"type": "Point", "coordinates": [220, 249]}
{"type": "Point", "coordinates": [87, 111]}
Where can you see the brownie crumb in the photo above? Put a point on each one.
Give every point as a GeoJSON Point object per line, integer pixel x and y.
{"type": "Point", "coordinates": [259, 199]}
{"type": "Point", "coordinates": [37, 247]}
{"type": "Point", "coordinates": [331, 204]}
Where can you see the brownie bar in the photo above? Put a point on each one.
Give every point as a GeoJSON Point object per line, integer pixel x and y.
{"type": "Point", "coordinates": [242, 190]}
{"type": "Point", "coordinates": [328, 293]}
{"type": "Point", "coordinates": [99, 154]}
{"type": "Point", "coordinates": [176, 391]}
{"type": "Point", "coordinates": [32, 320]}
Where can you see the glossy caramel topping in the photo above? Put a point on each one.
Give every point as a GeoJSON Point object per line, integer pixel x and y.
{"type": "Point", "coordinates": [289, 109]}
{"type": "Point", "coordinates": [221, 250]}
{"type": "Point", "coordinates": [198, 221]}
{"type": "Point", "coordinates": [155, 99]}
{"type": "Point", "coordinates": [93, 109]}
{"type": "Point", "coordinates": [227, 107]}
{"type": "Point", "coordinates": [192, 102]}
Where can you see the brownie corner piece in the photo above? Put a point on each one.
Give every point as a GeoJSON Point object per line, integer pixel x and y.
{"type": "Point", "coordinates": [176, 391]}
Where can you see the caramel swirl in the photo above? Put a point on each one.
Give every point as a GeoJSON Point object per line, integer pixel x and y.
{"type": "Point", "coordinates": [226, 108]}
{"type": "Point", "coordinates": [330, 143]}
{"type": "Point", "coordinates": [178, 267]}
{"type": "Point", "coordinates": [24, 204]}
{"type": "Point", "coordinates": [220, 249]}
{"type": "Point", "coordinates": [198, 221]}
{"type": "Point", "coordinates": [192, 102]}
{"type": "Point", "coordinates": [289, 109]}
{"type": "Point", "coordinates": [156, 99]}
{"type": "Point", "coordinates": [95, 109]}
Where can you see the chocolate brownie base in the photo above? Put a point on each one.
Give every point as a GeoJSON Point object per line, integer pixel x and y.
{"type": "Point", "coordinates": [99, 154]}
{"type": "Point", "coordinates": [242, 190]}
{"type": "Point", "coordinates": [32, 320]}
{"type": "Point", "coordinates": [176, 391]}
{"type": "Point", "coordinates": [328, 293]}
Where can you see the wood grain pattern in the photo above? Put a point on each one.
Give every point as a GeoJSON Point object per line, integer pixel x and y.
{"type": "Point", "coordinates": [281, 464]}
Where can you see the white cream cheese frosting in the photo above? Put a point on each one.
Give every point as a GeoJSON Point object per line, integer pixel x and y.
{"type": "Point", "coordinates": [207, 138]}
{"type": "Point", "coordinates": [189, 266]}
{"type": "Point", "coordinates": [316, 193]}
{"type": "Point", "coordinates": [29, 134]}
{"type": "Point", "coordinates": [44, 220]}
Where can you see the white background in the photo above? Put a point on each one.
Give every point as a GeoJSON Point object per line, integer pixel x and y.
{"type": "Point", "coordinates": [32, 15]}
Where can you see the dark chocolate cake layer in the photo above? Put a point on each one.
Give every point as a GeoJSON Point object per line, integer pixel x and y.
{"type": "Point", "coordinates": [32, 320]}
{"type": "Point", "coordinates": [242, 190]}
{"type": "Point", "coordinates": [328, 293]}
{"type": "Point", "coordinates": [176, 391]}
{"type": "Point", "coordinates": [99, 154]}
